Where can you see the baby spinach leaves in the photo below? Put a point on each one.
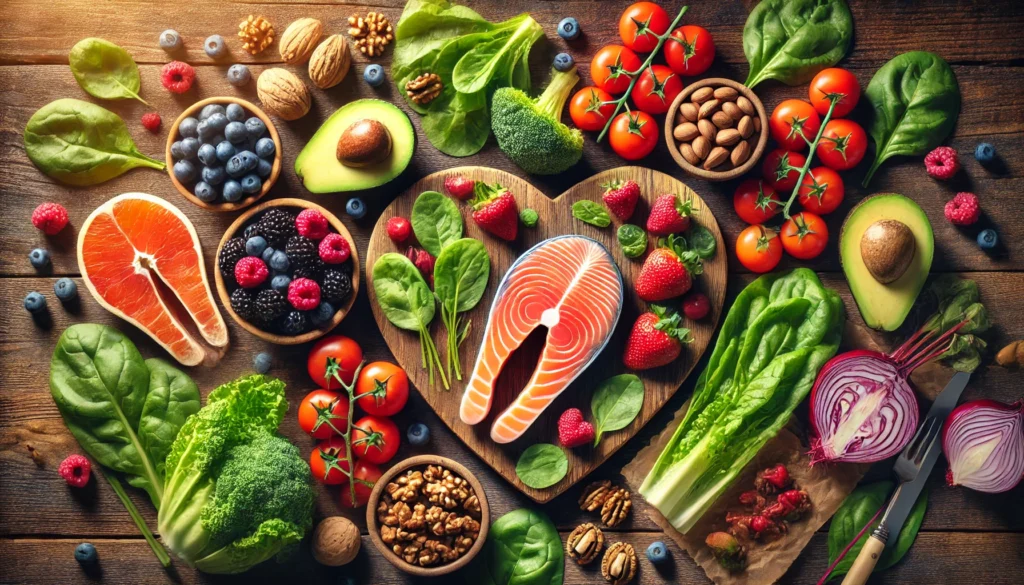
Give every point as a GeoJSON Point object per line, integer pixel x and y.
{"type": "Point", "coordinates": [460, 279]}
{"type": "Point", "coordinates": [616, 402]}
{"type": "Point", "coordinates": [105, 70]}
{"type": "Point", "coordinates": [593, 213]}
{"type": "Point", "coordinates": [542, 465]}
{"type": "Point", "coordinates": [523, 548]}
{"type": "Point", "coordinates": [701, 241]}
{"type": "Point", "coordinates": [633, 240]}
{"type": "Point", "coordinates": [436, 221]}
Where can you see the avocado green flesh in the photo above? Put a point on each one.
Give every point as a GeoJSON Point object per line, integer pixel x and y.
{"type": "Point", "coordinates": [318, 164]}
{"type": "Point", "coordinates": [885, 306]}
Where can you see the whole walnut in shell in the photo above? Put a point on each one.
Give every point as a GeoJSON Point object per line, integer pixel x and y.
{"type": "Point", "coordinates": [283, 94]}
{"type": "Point", "coordinates": [336, 541]}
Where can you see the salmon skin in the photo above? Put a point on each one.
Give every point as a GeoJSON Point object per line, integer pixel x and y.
{"type": "Point", "coordinates": [569, 284]}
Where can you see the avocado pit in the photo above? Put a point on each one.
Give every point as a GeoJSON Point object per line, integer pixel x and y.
{"type": "Point", "coordinates": [887, 248]}
{"type": "Point", "coordinates": [364, 143]}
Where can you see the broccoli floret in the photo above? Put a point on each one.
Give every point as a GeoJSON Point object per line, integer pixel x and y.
{"type": "Point", "coordinates": [530, 131]}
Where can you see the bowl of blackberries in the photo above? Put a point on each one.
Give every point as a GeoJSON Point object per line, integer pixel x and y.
{"type": "Point", "coordinates": [287, 271]}
{"type": "Point", "coordinates": [223, 153]}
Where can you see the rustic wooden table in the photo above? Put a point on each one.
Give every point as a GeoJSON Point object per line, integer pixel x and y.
{"type": "Point", "coordinates": [966, 536]}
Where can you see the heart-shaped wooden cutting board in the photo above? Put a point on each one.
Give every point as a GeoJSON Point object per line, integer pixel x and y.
{"type": "Point", "coordinates": [555, 219]}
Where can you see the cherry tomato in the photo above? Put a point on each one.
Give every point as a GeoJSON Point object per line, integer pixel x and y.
{"type": "Point", "coordinates": [755, 201]}
{"type": "Point", "coordinates": [327, 462]}
{"type": "Point", "coordinates": [656, 89]}
{"type": "Point", "coordinates": [375, 439]}
{"type": "Point", "coordinates": [781, 169]}
{"type": "Point", "coordinates": [822, 190]}
{"type": "Point", "coordinates": [633, 135]}
{"type": "Point", "coordinates": [834, 81]}
{"type": "Point", "coordinates": [794, 124]}
{"type": "Point", "coordinates": [696, 306]}
{"type": "Point", "coordinates": [382, 389]}
{"type": "Point", "coordinates": [590, 108]}
{"type": "Point", "coordinates": [804, 235]}
{"type": "Point", "coordinates": [759, 249]}
{"type": "Point", "coordinates": [323, 413]}
{"type": "Point", "coordinates": [692, 53]}
{"type": "Point", "coordinates": [366, 474]}
{"type": "Point", "coordinates": [334, 353]}
{"type": "Point", "coordinates": [610, 66]}
{"type": "Point", "coordinates": [641, 25]}
{"type": "Point", "coordinates": [842, 145]}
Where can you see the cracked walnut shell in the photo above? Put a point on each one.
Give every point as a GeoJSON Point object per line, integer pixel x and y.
{"type": "Point", "coordinates": [616, 508]}
{"type": "Point", "coordinates": [299, 39]}
{"type": "Point", "coordinates": [584, 543]}
{"type": "Point", "coordinates": [256, 33]}
{"type": "Point", "coordinates": [329, 63]}
{"type": "Point", "coordinates": [594, 495]}
{"type": "Point", "coordinates": [619, 563]}
{"type": "Point", "coordinates": [283, 94]}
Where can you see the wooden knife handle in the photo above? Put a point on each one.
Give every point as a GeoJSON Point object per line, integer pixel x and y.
{"type": "Point", "coordinates": [865, 563]}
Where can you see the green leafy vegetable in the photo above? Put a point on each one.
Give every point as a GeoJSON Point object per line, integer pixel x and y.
{"type": "Point", "coordinates": [616, 402]}
{"type": "Point", "coordinates": [593, 213]}
{"type": "Point", "coordinates": [779, 332]}
{"type": "Point", "coordinates": [529, 217]}
{"type": "Point", "coordinates": [857, 510]}
{"type": "Point", "coordinates": [701, 241]}
{"type": "Point", "coordinates": [633, 240]}
{"type": "Point", "coordinates": [792, 40]}
{"type": "Point", "coordinates": [542, 465]}
{"type": "Point", "coordinates": [915, 100]}
{"type": "Point", "coordinates": [460, 279]}
{"type": "Point", "coordinates": [958, 299]}
{"type": "Point", "coordinates": [436, 221]}
{"type": "Point", "coordinates": [105, 70]}
{"type": "Point", "coordinates": [523, 548]}
{"type": "Point", "coordinates": [82, 144]}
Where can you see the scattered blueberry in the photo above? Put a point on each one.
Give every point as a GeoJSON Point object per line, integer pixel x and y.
{"type": "Point", "coordinates": [184, 171]}
{"type": "Point", "coordinates": [214, 46]}
{"type": "Point", "coordinates": [657, 553]}
{"type": "Point", "coordinates": [264, 168]}
{"type": "Point", "coordinates": [232, 191]}
{"type": "Point", "coordinates": [218, 122]}
{"type": "Point", "coordinates": [209, 110]}
{"type": "Point", "coordinates": [322, 314]}
{"type": "Point", "coordinates": [176, 151]}
{"type": "Point", "coordinates": [418, 434]}
{"type": "Point", "coordinates": [170, 40]}
{"type": "Point", "coordinates": [280, 282]}
{"type": "Point", "coordinates": [251, 184]}
{"type": "Point", "coordinates": [265, 148]}
{"type": "Point", "coordinates": [356, 208]}
{"type": "Point", "coordinates": [34, 302]}
{"type": "Point", "coordinates": [189, 148]}
{"type": "Point", "coordinates": [374, 75]}
{"type": "Point", "coordinates": [267, 253]}
{"type": "Point", "coordinates": [569, 29]}
{"type": "Point", "coordinates": [85, 554]}
{"type": "Point", "coordinates": [985, 153]}
{"type": "Point", "coordinates": [235, 113]}
{"type": "Point", "coordinates": [279, 261]}
{"type": "Point", "coordinates": [238, 75]}
{"type": "Point", "coordinates": [563, 62]}
{"type": "Point", "coordinates": [255, 246]}
{"type": "Point", "coordinates": [235, 132]}
{"type": "Point", "coordinates": [214, 175]}
{"type": "Point", "coordinates": [65, 289]}
{"type": "Point", "coordinates": [39, 258]}
{"type": "Point", "coordinates": [262, 362]}
{"type": "Point", "coordinates": [255, 127]}
{"type": "Point", "coordinates": [225, 150]}
{"type": "Point", "coordinates": [988, 239]}
{"type": "Point", "coordinates": [188, 127]}
{"type": "Point", "coordinates": [205, 192]}
{"type": "Point", "coordinates": [208, 154]}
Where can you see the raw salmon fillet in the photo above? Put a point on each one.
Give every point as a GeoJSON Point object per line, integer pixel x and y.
{"type": "Point", "coordinates": [140, 258]}
{"type": "Point", "coordinates": [569, 284]}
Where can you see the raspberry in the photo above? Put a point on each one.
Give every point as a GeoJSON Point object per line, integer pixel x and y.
{"type": "Point", "coordinates": [963, 209]}
{"type": "Point", "coordinates": [50, 217]}
{"type": "Point", "coordinates": [399, 229]}
{"type": "Point", "coordinates": [334, 249]}
{"type": "Point", "coordinates": [151, 122]}
{"type": "Point", "coordinates": [312, 224]}
{"type": "Point", "coordinates": [304, 294]}
{"type": "Point", "coordinates": [422, 259]}
{"type": "Point", "coordinates": [942, 163]}
{"type": "Point", "coordinates": [459, 187]}
{"type": "Point", "coordinates": [177, 77]}
{"type": "Point", "coordinates": [250, 272]}
{"type": "Point", "coordinates": [75, 470]}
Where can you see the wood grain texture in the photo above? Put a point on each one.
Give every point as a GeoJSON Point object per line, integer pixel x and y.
{"type": "Point", "coordinates": [556, 219]}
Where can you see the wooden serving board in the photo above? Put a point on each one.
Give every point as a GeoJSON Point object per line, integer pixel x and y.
{"type": "Point", "coordinates": [555, 219]}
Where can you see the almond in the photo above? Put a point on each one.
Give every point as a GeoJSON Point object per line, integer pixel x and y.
{"type": "Point", "coordinates": [746, 106]}
{"type": "Point", "coordinates": [330, 62]}
{"type": "Point", "coordinates": [701, 147]}
{"type": "Point", "coordinates": [702, 95]}
{"type": "Point", "coordinates": [732, 110]}
{"type": "Point", "coordinates": [685, 132]}
{"type": "Point", "coordinates": [299, 39]}
{"type": "Point", "coordinates": [721, 119]}
{"type": "Point", "coordinates": [689, 111]}
{"type": "Point", "coordinates": [707, 108]}
{"type": "Point", "coordinates": [745, 126]}
{"type": "Point", "coordinates": [728, 137]}
{"type": "Point", "coordinates": [740, 154]}
{"type": "Point", "coordinates": [707, 129]}
{"type": "Point", "coordinates": [757, 123]}
{"type": "Point", "coordinates": [717, 156]}
{"type": "Point", "coordinates": [726, 93]}
{"type": "Point", "coordinates": [283, 94]}
{"type": "Point", "coordinates": [687, 151]}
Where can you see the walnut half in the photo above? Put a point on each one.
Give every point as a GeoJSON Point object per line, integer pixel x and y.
{"type": "Point", "coordinates": [616, 508]}
{"type": "Point", "coordinates": [424, 88]}
{"type": "Point", "coordinates": [619, 563]}
{"type": "Point", "coordinates": [594, 495]}
{"type": "Point", "coordinates": [584, 543]}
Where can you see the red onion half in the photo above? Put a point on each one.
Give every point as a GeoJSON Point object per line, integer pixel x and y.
{"type": "Point", "coordinates": [984, 443]}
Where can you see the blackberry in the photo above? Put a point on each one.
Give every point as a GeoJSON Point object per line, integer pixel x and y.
{"type": "Point", "coordinates": [243, 302]}
{"type": "Point", "coordinates": [276, 226]}
{"type": "Point", "coordinates": [253, 229]}
{"type": "Point", "coordinates": [335, 287]}
{"type": "Point", "coordinates": [302, 254]}
{"type": "Point", "coordinates": [270, 304]}
{"type": "Point", "coordinates": [230, 254]}
{"type": "Point", "coordinates": [314, 271]}
{"type": "Point", "coordinates": [294, 323]}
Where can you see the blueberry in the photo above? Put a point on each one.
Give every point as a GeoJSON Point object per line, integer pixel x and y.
{"type": "Point", "coordinates": [232, 191]}
{"type": "Point", "coordinates": [238, 75]}
{"type": "Point", "coordinates": [251, 184]}
{"type": "Point", "coordinates": [214, 175]}
{"type": "Point", "coordinates": [184, 171]}
{"type": "Point", "coordinates": [563, 62]}
{"type": "Point", "coordinates": [214, 46]}
{"type": "Point", "coordinates": [205, 192]}
{"type": "Point", "coordinates": [264, 168]}
{"type": "Point", "coordinates": [235, 132]}
{"type": "Point", "coordinates": [170, 40]}
{"type": "Point", "coordinates": [267, 253]}
{"type": "Point", "coordinates": [418, 434]}
{"type": "Point", "coordinates": [35, 302]}
{"type": "Point", "coordinates": [225, 150]}
{"type": "Point", "coordinates": [176, 152]}
{"type": "Point", "coordinates": [210, 110]}
{"type": "Point", "coordinates": [988, 239]}
{"type": "Point", "coordinates": [261, 362]}
{"type": "Point", "coordinates": [65, 289]}
{"type": "Point", "coordinates": [356, 208]}
{"type": "Point", "coordinates": [322, 314]}
{"type": "Point", "coordinates": [218, 139]}
{"type": "Point", "coordinates": [255, 246]}
{"type": "Point", "coordinates": [280, 282]}
{"type": "Point", "coordinates": [217, 122]}
{"type": "Point", "coordinates": [279, 261]}
{"type": "Point", "coordinates": [255, 127]}
{"type": "Point", "coordinates": [85, 554]}
{"type": "Point", "coordinates": [189, 148]}
{"type": "Point", "coordinates": [265, 147]}
{"type": "Point", "coordinates": [249, 159]}
{"type": "Point", "coordinates": [39, 258]}
{"type": "Point", "coordinates": [374, 75]}
{"type": "Point", "coordinates": [569, 29]}
{"type": "Point", "coordinates": [205, 132]}
{"type": "Point", "coordinates": [188, 127]}
{"type": "Point", "coordinates": [241, 164]}
{"type": "Point", "coordinates": [657, 552]}
{"type": "Point", "coordinates": [236, 113]}
{"type": "Point", "coordinates": [208, 154]}
{"type": "Point", "coordinates": [985, 153]}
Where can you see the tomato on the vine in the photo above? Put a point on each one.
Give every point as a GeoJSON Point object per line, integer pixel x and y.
{"type": "Point", "coordinates": [656, 89]}
{"type": "Point", "coordinates": [804, 235]}
{"type": "Point", "coordinates": [842, 145]}
{"type": "Point", "coordinates": [335, 353]}
{"type": "Point", "coordinates": [794, 124]}
{"type": "Point", "coordinates": [641, 24]}
{"type": "Point", "coordinates": [758, 248]}
{"type": "Point", "coordinates": [591, 108]}
{"type": "Point", "coordinates": [755, 202]}
{"type": "Point", "coordinates": [781, 169]}
{"type": "Point", "coordinates": [838, 82]}
{"type": "Point", "coordinates": [323, 413]}
{"type": "Point", "coordinates": [690, 50]}
{"type": "Point", "coordinates": [365, 474]}
{"type": "Point", "coordinates": [375, 439]}
{"type": "Point", "coordinates": [382, 389]}
{"type": "Point", "coordinates": [633, 135]}
{"type": "Point", "coordinates": [611, 66]}
{"type": "Point", "coordinates": [822, 190]}
{"type": "Point", "coordinates": [327, 462]}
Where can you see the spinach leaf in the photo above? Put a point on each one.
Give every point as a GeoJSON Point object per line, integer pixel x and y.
{"type": "Point", "coordinates": [483, 62]}
{"type": "Point", "coordinates": [616, 402]}
{"type": "Point", "coordinates": [593, 213]}
{"type": "Point", "coordinates": [792, 40]}
{"type": "Point", "coordinates": [915, 100]}
{"type": "Point", "coordinates": [701, 241]}
{"type": "Point", "coordinates": [460, 279]}
{"type": "Point", "coordinates": [523, 548]}
{"type": "Point", "coordinates": [436, 221]}
{"type": "Point", "coordinates": [857, 509]}
{"type": "Point", "coordinates": [105, 70]}
{"type": "Point", "coordinates": [633, 240]}
{"type": "Point", "coordinates": [172, 398]}
{"type": "Point", "coordinates": [542, 465]}
{"type": "Point", "coordinates": [82, 144]}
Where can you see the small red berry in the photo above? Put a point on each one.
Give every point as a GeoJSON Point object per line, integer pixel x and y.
{"type": "Point", "coordinates": [75, 470]}
{"type": "Point", "coordinates": [423, 261]}
{"type": "Point", "coordinates": [177, 77]}
{"type": "Point", "coordinates": [459, 187]}
{"type": "Point", "coordinates": [942, 163]}
{"type": "Point", "coordinates": [304, 294]}
{"type": "Point", "coordinates": [696, 306]}
{"type": "Point", "coordinates": [334, 249]}
{"type": "Point", "coordinates": [399, 229]}
{"type": "Point", "coordinates": [963, 209]}
{"type": "Point", "coordinates": [50, 217]}
{"type": "Point", "coordinates": [151, 121]}
{"type": "Point", "coordinates": [573, 430]}
{"type": "Point", "coordinates": [312, 224]}
{"type": "Point", "coordinates": [250, 272]}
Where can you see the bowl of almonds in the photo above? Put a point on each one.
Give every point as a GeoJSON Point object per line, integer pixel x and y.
{"type": "Point", "coordinates": [716, 129]}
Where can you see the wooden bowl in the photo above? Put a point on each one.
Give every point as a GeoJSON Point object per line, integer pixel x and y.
{"type": "Point", "coordinates": [402, 467]}
{"type": "Point", "coordinates": [225, 296]}
{"type": "Point", "coordinates": [194, 110]}
{"type": "Point", "coordinates": [670, 124]}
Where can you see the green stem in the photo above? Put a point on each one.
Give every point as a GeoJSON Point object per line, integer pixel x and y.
{"type": "Point", "coordinates": [810, 157]}
{"type": "Point", "coordinates": [350, 389]}
{"type": "Point", "coordinates": [158, 549]}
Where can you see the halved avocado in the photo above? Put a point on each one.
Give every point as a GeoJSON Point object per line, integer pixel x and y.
{"type": "Point", "coordinates": [318, 163]}
{"type": "Point", "coordinates": [886, 284]}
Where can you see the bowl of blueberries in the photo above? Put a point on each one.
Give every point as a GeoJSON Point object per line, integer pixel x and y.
{"type": "Point", "coordinates": [223, 153]}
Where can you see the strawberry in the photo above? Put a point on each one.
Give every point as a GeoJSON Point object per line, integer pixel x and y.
{"type": "Point", "coordinates": [670, 214]}
{"type": "Point", "coordinates": [459, 187]}
{"type": "Point", "coordinates": [621, 197]}
{"type": "Point", "coordinates": [494, 209]}
{"type": "Point", "coordinates": [656, 339]}
{"type": "Point", "coordinates": [666, 271]}
{"type": "Point", "coordinates": [573, 431]}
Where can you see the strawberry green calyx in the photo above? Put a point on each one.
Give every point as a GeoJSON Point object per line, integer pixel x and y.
{"type": "Point", "coordinates": [684, 206]}
{"type": "Point", "coordinates": [678, 245]}
{"type": "Point", "coordinates": [668, 323]}
{"type": "Point", "coordinates": [484, 194]}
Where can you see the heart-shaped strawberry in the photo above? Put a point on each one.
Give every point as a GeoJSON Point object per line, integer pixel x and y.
{"type": "Point", "coordinates": [573, 431]}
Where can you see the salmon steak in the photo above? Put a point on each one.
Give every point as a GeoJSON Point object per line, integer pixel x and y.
{"type": "Point", "coordinates": [571, 286]}
{"type": "Point", "coordinates": [140, 258]}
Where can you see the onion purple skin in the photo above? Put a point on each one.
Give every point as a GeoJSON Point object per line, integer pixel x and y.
{"type": "Point", "coordinates": [973, 421]}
